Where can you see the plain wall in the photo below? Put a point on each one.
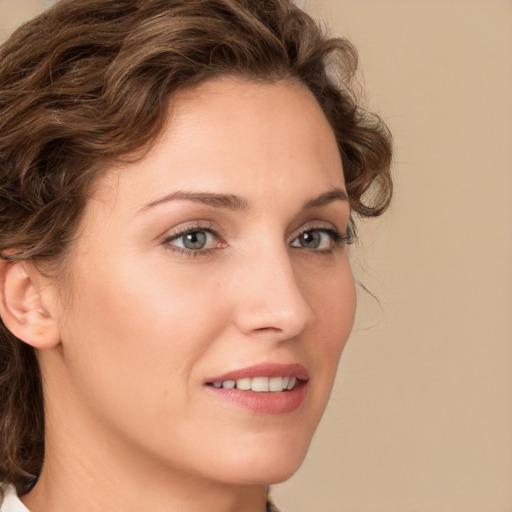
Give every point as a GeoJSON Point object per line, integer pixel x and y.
{"type": "Point", "coordinates": [421, 416]}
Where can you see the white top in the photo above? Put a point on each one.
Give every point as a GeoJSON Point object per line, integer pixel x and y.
{"type": "Point", "coordinates": [11, 502]}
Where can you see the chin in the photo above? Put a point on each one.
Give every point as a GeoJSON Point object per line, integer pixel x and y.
{"type": "Point", "coordinates": [267, 464]}
{"type": "Point", "coordinates": [269, 474]}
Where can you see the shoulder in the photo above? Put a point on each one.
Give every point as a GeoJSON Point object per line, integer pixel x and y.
{"type": "Point", "coordinates": [11, 502]}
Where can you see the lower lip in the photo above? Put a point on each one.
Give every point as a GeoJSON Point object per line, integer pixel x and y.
{"type": "Point", "coordinates": [271, 403]}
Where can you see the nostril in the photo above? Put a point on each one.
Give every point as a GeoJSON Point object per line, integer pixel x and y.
{"type": "Point", "coordinates": [267, 329]}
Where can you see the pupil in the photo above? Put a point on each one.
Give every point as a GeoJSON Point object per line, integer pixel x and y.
{"type": "Point", "coordinates": [310, 239]}
{"type": "Point", "coordinates": [195, 240]}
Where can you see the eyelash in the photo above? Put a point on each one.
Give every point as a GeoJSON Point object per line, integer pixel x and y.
{"type": "Point", "coordinates": [207, 228]}
{"type": "Point", "coordinates": [337, 239]}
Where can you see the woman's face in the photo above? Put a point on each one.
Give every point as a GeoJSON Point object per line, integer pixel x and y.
{"type": "Point", "coordinates": [218, 257]}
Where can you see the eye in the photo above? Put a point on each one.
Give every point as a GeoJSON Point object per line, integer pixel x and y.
{"type": "Point", "coordinates": [313, 239]}
{"type": "Point", "coordinates": [320, 239]}
{"type": "Point", "coordinates": [193, 239]}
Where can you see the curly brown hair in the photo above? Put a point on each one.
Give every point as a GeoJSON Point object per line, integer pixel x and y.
{"type": "Point", "coordinates": [88, 82]}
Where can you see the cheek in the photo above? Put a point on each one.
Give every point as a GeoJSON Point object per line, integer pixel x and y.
{"type": "Point", "coordinates": [332, 295]}
{"type": "Point", "coordinates": [135, 331]}
{"type": "Point", "coordinates": [334, 302]}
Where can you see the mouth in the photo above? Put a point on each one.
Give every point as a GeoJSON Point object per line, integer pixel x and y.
{"type": "Point", "coordinates": [258, 384]}
{"type": "Point", "coordinates": [263, 389]}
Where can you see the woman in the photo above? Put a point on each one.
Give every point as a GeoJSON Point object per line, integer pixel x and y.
{"type": "Point", "coordinates": [178, 180]}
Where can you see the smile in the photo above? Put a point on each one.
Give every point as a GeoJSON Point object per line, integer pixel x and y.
{"type": "Point", "coordinates": [259, 384]}
{"type": "Point", "coordinates": [267, 388]}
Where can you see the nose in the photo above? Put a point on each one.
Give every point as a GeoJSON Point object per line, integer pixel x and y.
{"type": "Point", "coordinates": [270, 301]}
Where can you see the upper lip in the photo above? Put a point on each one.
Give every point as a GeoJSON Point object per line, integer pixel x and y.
{"type": "Point", "coordinates": [265, 370]}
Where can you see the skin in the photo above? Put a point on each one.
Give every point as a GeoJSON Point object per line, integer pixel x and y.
{"type": "Point", "coordinates": [129, 420]}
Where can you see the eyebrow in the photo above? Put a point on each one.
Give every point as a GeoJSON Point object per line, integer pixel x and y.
{"type": "Point", "coordinates": [328, 197]}
{"type": "Point", "coordinates": [227, 201]}
{"type": "Point", "coordinates": [237, 203]}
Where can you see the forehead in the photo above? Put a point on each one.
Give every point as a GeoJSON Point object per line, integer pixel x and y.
{"type": "Point", "coordinates": [240, 137]}
{"type": "Point", "coordinates": [261, 116]}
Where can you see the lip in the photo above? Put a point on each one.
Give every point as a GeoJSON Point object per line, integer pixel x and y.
{"type": "Point", "coordinates": [264, 403]}
{"type": "Point", "coordinates": [264, 370]}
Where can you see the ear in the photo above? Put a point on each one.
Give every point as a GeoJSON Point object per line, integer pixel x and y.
{"type": "Point", "coordinates": [24, 300]}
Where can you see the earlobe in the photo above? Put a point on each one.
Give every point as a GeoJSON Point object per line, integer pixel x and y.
{"type": "Point", "coordinates": [22, 307]}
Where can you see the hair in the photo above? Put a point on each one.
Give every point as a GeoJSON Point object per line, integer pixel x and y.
{"type": "Point", "coordinates": [89, 82]}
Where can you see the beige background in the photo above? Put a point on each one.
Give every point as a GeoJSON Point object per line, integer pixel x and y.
{"type": "Point", "coordinates": [421, 416]}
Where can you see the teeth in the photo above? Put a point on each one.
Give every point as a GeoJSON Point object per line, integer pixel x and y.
{"type": "Point", "coordinates": [228, 384]}
{"type": "Point", "coordinates": [244, 384]}
{"type": "Point", "coordinates": [275, 384]}
{"type": "Point", "coordinates": [259, 384]}
{"type": "Point", "coordinates": [292, 382]}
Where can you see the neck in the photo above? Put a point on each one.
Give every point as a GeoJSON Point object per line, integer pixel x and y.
{"type": "Point", "coordinates": [60, 494]}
